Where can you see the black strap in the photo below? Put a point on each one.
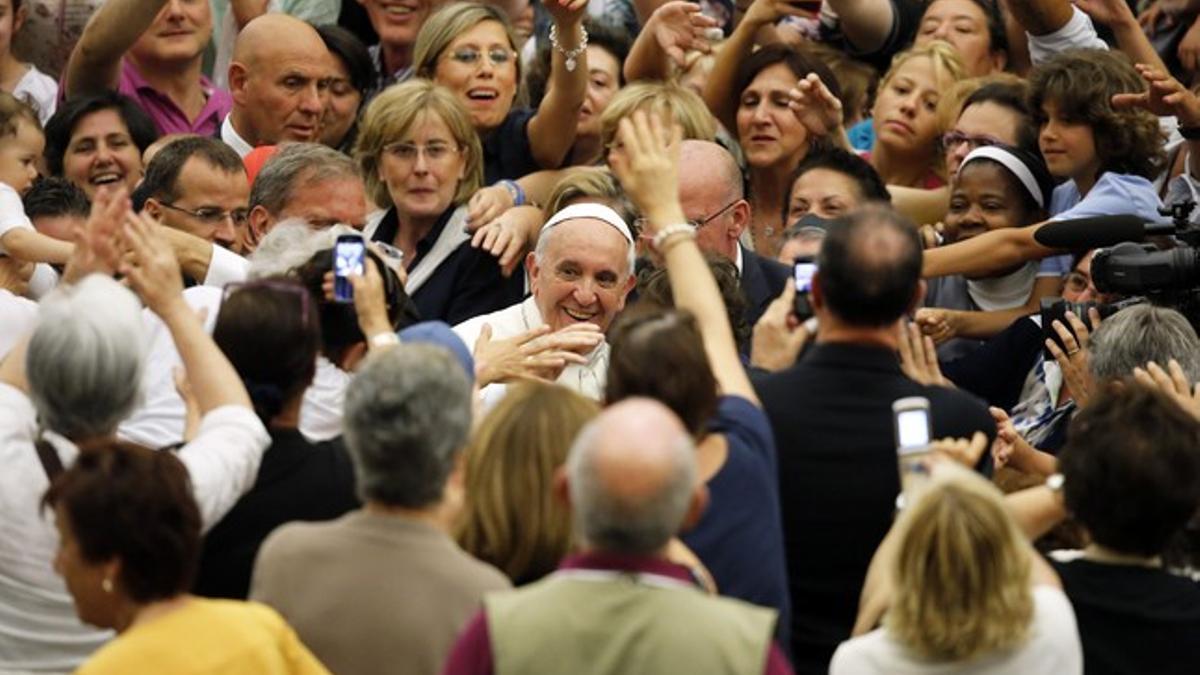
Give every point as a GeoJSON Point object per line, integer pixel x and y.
{"type": "Point", "coordinates": [48, 456]}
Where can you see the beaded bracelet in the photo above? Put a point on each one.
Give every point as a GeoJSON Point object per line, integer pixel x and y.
{"type": "Point", "coordinates": [514, 190]}
{"type": "Point", "coordinates": [570, 56]}
{"type": "Point", "coordinates": [669, 231]}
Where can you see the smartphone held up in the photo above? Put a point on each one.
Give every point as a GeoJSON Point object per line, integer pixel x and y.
{"type": "Point", "coordinates": [348, 259]}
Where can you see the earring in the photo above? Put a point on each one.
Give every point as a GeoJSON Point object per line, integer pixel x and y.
{"type": "Point", "coordinates": [107, 585]}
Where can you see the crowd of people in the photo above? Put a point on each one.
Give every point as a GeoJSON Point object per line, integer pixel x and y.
{"type": "Point", "coordinates": [616, 383]}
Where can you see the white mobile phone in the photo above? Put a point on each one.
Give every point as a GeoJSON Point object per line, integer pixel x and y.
{"type": "Point", "coordinates": [914, 432]}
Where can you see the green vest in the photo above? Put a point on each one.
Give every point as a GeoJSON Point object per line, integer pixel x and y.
{"type": "Point", "coordinates": [600, 623]}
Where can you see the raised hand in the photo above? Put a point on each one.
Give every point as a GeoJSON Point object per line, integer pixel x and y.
{"type": "Point", "coordinates": [508, 236]}
{"type": "Point", "coordinates": [679, 27]}
{"type": "Point", "coordinates": [817, 108]}
{"type": "Point", "coordinates": [764, 12]}
{"type": "Point", "coordinates": [1165, 96]}
{"type": "Point", "coordinates": [95, 249]}
{"type": "Point", "coordinates": [1074, 361]}
{"type": "Point", "coordinates": [649, 166]}
{"type": "Point", "coordinates": [150, 267]}
{"type": "Point", "coordinates": [778, 335]}
{"type": "Point", "coordinates": [1173, 382]}
{"type": "Point", "coordinates": [918, 357]}
{"type": "Point", "coordinates": [486, 205]}
{"type": "Point", "coordinates": [537, 354]}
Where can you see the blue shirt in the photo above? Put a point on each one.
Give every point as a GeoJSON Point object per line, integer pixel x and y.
{"type": "Point", "coordinates": [1113, 194]}
{"type": "Point", "coordinates": [740, 537]}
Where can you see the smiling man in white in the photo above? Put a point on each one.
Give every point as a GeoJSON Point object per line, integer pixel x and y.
{"type": "Point", "coordinates": [581, 272]}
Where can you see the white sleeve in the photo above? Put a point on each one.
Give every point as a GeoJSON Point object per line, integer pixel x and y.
{"type": "Point", "coordinates": [223, 459]}
{"type": "Point", "coordinates": [12, 213]}
{"type": "Point", "coordinates": [1078, 33]}
{"type": "Point", "coordinates": [18, 318]}
{"type": "Point", "coordinates": [44, 280]}
{"type": "Point", "coordinates": [226, 267]}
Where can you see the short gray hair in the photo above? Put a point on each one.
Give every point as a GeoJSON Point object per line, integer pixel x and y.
{"type": "Point", "coordinates": [290, 244]}
{"type": "Point", "coordinates": [86, 357]}
{"type": "Point", "coordinates": [1135, 335]}
{"type": "Point", "coordinates": [615, 524]}
{"type": "Point", "coordinates": [407, 416]}
{"type": "Point", "coordinates": [280, 178]}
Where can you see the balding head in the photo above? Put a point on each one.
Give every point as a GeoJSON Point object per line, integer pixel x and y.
{"type": "Point", "coordinates": [710, 188]}
{"type": "Point", "coordinates": [632, 479]}
{"type": "Point", "coordinates": [869, 269]}
{"type": "Point", "coordinates": [278, 79]}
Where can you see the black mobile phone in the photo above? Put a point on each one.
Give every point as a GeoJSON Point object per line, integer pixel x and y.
{"type": "Point", "coordinates": [803, 270]}
{"type": "Point", "coordinates": [348, 254]}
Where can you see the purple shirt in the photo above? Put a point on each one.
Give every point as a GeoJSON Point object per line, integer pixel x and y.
{"type": "Point", "coordinates": [166, 115]}
{"type": "Point", "coordinates": [472, 654]}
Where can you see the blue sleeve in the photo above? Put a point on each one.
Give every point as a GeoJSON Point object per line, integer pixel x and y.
{"type": "Point", "coordinates": [1117, 193]}
{"type": "Point", "coordinates": [739, 418]}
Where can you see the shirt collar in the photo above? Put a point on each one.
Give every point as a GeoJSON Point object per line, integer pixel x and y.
{"type": "Point", "coordinates": [738, 258]}
{"type": "Point", "coordinates": [233, 139]}
{"type": "Point", "coordinates": [619, 562]}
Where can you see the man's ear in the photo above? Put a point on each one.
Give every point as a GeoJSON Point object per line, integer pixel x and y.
{"type": "Point", "coordinates": [258, 222]}
{"type": "Point", "coordinates": [918, 297]}
{"type": "Point", "coordinates": [237, 81]}
{"type": "Point", "coordinates": [999, 60]}
{"type": "Point", "coordinates": [154, 208]}
{"type": "Point", "coordinates": [741, 218]}
{"type": "Point", "coordinates": [696, 506]}
{"type": "Point", "coordinates": [532, 267]}
{"type": "Point", "coordinates": [19, 19]}
{"type": "Point", "coordinates": [562, 487]}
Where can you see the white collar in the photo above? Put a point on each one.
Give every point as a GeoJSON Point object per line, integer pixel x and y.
{"type": "Point", "coordinates": [737, 258]}
{"type": "Point", "coordinates": [233, 139]}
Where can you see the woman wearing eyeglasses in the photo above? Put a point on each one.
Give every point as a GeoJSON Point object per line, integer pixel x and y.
{"type": "Point", "coordinates": [470, 48]}
{"type": "Point", "coordinates": [422, 160]}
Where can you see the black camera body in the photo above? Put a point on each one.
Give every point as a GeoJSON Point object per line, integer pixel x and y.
{"type": "Point", "coordinates": [1130, 268]}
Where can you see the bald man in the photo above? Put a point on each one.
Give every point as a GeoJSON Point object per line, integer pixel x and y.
{"type": "Point", "coordinates": [710, 191]}
{"type": "Point", "coordinates": [632, 483]}
{"type": "Point", "coordinates": [279, 78]}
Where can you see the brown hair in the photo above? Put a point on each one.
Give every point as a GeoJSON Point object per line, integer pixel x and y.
{"type": "Point", "coordinates": [123, 501]}
{"type": "Point", "coordinates": [658, 353]}
{"type": "Point", "coordinates": [510, 517]}
{"type": "Point", "coordinates": [12, 110]}
{"type": "Point", "coordinates": [1081, 84]}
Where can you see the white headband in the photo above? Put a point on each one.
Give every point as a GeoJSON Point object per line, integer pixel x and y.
{"type": "Point", "coordinates": [588, 210]}
{"type": "Point", "coordinates": [1013, 164]}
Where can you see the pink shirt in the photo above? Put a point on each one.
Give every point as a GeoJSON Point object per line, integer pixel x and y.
{"type": "Point", "coordinates": [166, 115]}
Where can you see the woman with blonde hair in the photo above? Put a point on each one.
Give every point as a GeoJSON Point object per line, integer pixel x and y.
{"type": "Point", "coordinates": [672, 101]}
{"type": "Point", "coordinates": [905, 115]}
{"type": "Point", "coordinates": [963, 590]}
{"type": "Point", "coordinates": [510, 517]}
{"type": "Point", "coordinates": [471, 49]}
{"type": "Point", "coordinates": [422, 160]}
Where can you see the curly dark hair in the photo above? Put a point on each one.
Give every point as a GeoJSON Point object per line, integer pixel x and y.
{"type": "Point", "coordinates": [1081, 84]}
{"type": "Point", "coordinates": [1132, 468]}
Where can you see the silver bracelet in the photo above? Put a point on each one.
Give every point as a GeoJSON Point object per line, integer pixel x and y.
{"type": "Point", "coordinates": [669, 231]}
{"type": "Point", "coordinates": [570, 56]}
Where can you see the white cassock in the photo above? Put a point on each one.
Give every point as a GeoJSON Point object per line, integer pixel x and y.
{"type": "Point", "coordinates": [587, 379]}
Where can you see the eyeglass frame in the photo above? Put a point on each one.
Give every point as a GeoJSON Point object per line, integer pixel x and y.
{"type": "Point", "coordinates": [421, 150]}
{"type": "Point", "coordinates": [509, 56]}
{"type": "Point", "coordinates": [306, 299]}
{"type": "Point", "coordinates": [640, 221]}
{"type": "Point", "coordinates": [952, 139]}
{"type": "Point", "coordinates": [212, 219]}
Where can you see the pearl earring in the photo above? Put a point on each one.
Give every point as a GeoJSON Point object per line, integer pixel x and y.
{"type": "Point", "coordinates": [107, 585]}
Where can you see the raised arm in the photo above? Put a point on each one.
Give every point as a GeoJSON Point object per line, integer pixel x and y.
{"type": "Point", "coordinates": [865, 23]}
{"type": "Point", "coordinates": [1167, 96]}
{"type": "Point", "coordinates": [718, 94]}
{"type": "Point", "coordinates": [1041, 17]}
{"type": "Point", "coordinates": [675, 28]}
{"type": "Point", "coordinates": [1132, 40]}
{"type": "Point", "coordinates": [552, 129]}
{"type": "Point", "coordinates": [649, 174]}
{"type": "Point", "coordinates": [95, 63]}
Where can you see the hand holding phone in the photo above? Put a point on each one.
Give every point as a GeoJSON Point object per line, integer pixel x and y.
{"type": "Point", "coordinates": [913, 435]}
{"type": "Point", "coordinates": [348, 254]}
{"type": "Point", "coordinates": [803, 270]}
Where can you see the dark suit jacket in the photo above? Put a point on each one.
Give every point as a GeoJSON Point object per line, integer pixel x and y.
{"type": "Point", "coordinates": [832, 419]}
{"type": "Point", "coordinates": [762, 281]}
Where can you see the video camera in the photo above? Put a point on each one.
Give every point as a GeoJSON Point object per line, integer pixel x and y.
{"type": "Point", "coordinates": [1132, 268]}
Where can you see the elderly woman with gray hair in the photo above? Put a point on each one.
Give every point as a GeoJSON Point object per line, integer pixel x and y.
{"type": "Point", "coordinates": [67, 387]}
{"type": "Point", "coordinates": [398, 585]}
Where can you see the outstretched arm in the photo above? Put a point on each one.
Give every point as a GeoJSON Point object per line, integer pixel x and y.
{"type": "Point", "coordinates": [552, 129]}
{"type": "Point", "coordinates": [649, 174]}
{"type": "Point", "coordinates": [95, 63]}
{"type": "Point", "coordinates": [989, 253]}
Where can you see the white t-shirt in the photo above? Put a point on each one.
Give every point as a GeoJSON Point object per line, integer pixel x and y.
{"type": "Point", "coordinates": [38, 90]}
{"type": "Point", "coordinates": [12, 213]}
{"type": "Point", "coordinates": [18, 317]}
{"type": "Point", "coordinates": [1053, 647]}
{"type": "Point", "coordinates": [159, 420]}
{"type": "Point", "coordinates": [38, 626]}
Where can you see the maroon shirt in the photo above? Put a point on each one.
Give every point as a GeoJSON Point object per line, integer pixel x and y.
{"type": "Point", "coordinates": [472, 653]}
